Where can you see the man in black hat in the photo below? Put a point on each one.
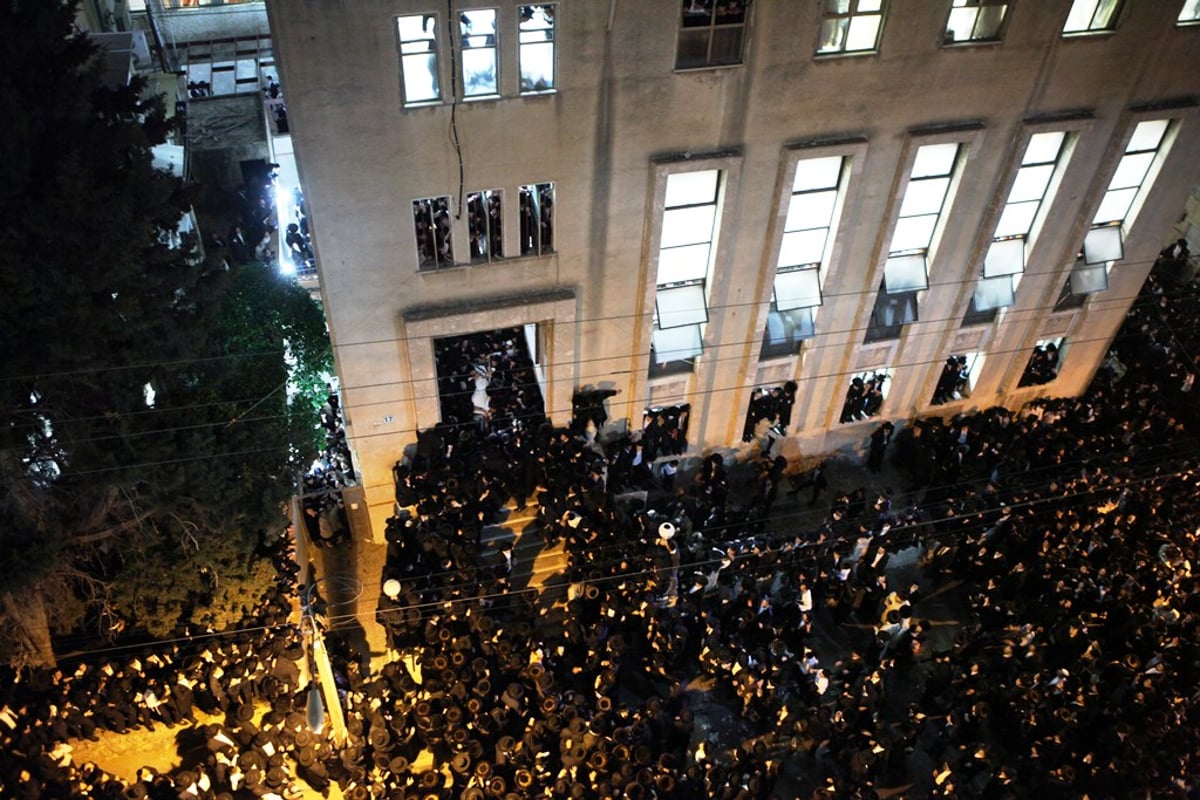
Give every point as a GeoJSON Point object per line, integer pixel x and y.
{"type": "Point", "coordinates": [587, 405]}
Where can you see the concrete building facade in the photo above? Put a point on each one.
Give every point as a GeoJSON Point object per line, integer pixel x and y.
{"type": "Point", "coordinates": [699, 198]}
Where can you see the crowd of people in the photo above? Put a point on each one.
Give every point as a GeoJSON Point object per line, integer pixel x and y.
{"type": "Point", "coordinates": [224, 675]}
{"type": "Point", "coordinates": [486, 381]}
{"type": "Point", "coordinates": [431, 219]}
{"type": "Point", "coordinates": [1063, 536]}
{"type": "Point", "coordinates": [199, 89]}
{"type": "Point", "coordinates": [864, 398]}
{"type": "Point", "coordinates": [296, 240]}
{"type": "Point", "coordinates": [1042, 366]}
{"type": "Point", "coordinates": [953, 382]}
{"type": "Point", "coordinates": [249, 236]}
{"type": "Point", "coordinates": [769, 410]}
{"type": "Point", "coordinates": [322, 504]}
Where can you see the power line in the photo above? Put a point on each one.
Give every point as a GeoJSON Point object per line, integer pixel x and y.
{"type": "Point", "coordinates": [763, 562]}
{"type": "Point", "coordinates": [577, 322]}
{"type": "Point", "coordinates": [548, 412]}
{"type": "Point", "coordinates": [816, 343]}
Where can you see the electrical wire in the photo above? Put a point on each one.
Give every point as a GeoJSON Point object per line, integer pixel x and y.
{"type": "Point", "coordinates": [443, 395]}
{"type": "Point", "coordinates": [548, 413]}
{"type": "Point", "coordinates": [449, 603]}
{"type": "Point", "coordinates": [1013, 311]}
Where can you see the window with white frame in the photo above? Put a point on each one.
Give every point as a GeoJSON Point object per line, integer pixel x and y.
{"type": "Point", "coordinates": [711, 33]}
{"type": "Point", "coordinates": [918, 223]}
{"type": "Point", "coordinates": [850, 26]}
{"type": "Point", "coordinates": [975, 21]}
{"type": "Point", "coordinates": [1004, 262]}
{"type": "Point", "coordinates": [808, 232]}
{"type": "Point", "coordinates": [537, 218]}
{"type": "Point", "coordinates": [686, 248]}
{"type": "Point", "coordinates": [1104, 243]}
{"type": "Point", "coordinates": [1091, 16]}
{"type": "Point", "coordinates": [535, 31]}
{"type": "Point", "coordinates": [485, 226]}
{"type": "Point", "coordinates": [431, 218]}
{"type": "Point", "coordinates": [1189, 14]}
{"type": "Point", "coordinates": [419, 58]}
{"type": "Point", "coordinates": [477, 38]}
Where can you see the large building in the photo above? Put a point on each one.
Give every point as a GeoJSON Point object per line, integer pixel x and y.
{"type": "Point", "coordinates": [689, 200]}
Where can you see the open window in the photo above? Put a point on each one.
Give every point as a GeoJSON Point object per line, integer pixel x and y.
{"type": "Point", "coordinates": [865, 396]}
{"type": "Point", "coordinates": [958, 377]}
{"type": "Point", "coordinates": [918, 225]}
{"type": "Point", "coordinates": [431, 219]}
{"type": "Point", "coordinates": [893, 310]}
{"type": "Point", "coordinates": [1104, 243]}
{"type": "Point", "coordinates": [1043, 363]}
{"type": "Point", "coordinates": [813, 209]}
{"type": "Point", "coordinates": [1046, 155]}
{"type": "Point", "coordinates": [686, 247]}
{"type": "Point", "coordinates": [537, 219]}
{"type": "Point", "coordinates": [484, 225]}
{"type": "Point", "coordinates": [1189, 14]}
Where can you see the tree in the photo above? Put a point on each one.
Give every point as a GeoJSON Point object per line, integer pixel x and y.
{"type": "Point", "coordinates": [115, 505]}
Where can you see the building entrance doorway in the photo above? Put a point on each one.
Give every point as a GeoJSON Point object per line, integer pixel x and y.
{"type": "Point", "coordinates": [491, 381]}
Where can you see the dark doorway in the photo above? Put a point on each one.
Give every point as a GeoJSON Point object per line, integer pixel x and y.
{"type": "Point", "coordinates": [487, 381]}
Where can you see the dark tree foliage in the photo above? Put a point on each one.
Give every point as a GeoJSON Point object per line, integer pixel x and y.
{"type": "Point", "coordinates": [112, 509]}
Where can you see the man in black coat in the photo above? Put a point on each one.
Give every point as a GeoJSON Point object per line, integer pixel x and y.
{"type": "Point", "coordinates": [587, 405]}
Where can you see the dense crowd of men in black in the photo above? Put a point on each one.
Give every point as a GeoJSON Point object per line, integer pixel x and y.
{"type": "Point", "coordinates": [322, 504]}
{"type": "Point", "coordinates": [770, 409]}
{"type": "Point", "coordinates": [1067, 532]}
{"type": "Point", "coordinates": [864, 398]}
{"type": "Point", "coordinates": [486, 382]}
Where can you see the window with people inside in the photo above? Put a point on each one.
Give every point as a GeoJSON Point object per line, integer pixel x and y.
{"type": "Point", "coordinates": [417, 35]}
{"type": "Point", "coordinates": [957, 377]}
{"type": "Point", "coordinates": [537, 218]}
{"type": "Point", "coordinates": [477, 53]}
{"type": "Point", "coordinates": [1044, 363]}
{"type": "Point", "coordinates": [865, 396]}
{"type": "Point", "coordinates": [769, 412]}
{"type": "Point", "coordinates": [850, 26]}
{"type": "Point", "coordinates": [477, 38]}
{"type": "Point", "coordinates": [711, 33]}
{"type": "Point", "coordinates": [485, 225]}
{"type": "Point", "coordinates": [535, 33]}
{"type": "Point", "coordinates": [975, 21]}
{"type": "Point", "coordinates": [433, 228]}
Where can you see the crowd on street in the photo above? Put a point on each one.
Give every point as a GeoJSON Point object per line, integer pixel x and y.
{"type": "Point", "coordinates": [705, 645]}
